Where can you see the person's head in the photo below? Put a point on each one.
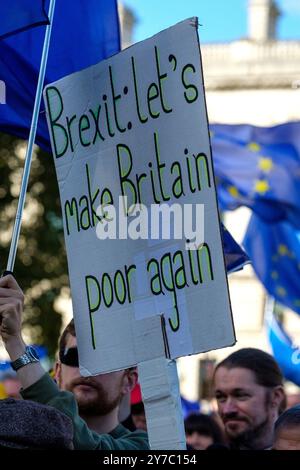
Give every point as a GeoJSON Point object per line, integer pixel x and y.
{"type": "Point", "coordinates": [249, 391]}
{"type": "Point", "coordinates": [98, 395]}
{"type": "Point", "coordinates": [138, 416]}
{"type": "Point", "coordinates": [28, 425]}
{"type": "Point", "coordinates": [137, 408]}
{"type": "Point", "coordinates": [202, 431]}
{"type": "Point", "coordinates": [287, 430]}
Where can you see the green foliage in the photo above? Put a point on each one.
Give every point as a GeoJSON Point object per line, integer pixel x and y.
{"type": "Point", "coordinates": [41, 265]}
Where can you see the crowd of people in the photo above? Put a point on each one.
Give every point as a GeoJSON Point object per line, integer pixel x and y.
{"type": "Point", "coordinates": [85, 412]}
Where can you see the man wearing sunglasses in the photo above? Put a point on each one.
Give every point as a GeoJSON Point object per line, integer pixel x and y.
{"type": "Point", "coordinates": [98, 397]}
{"type": "Point", "coordinates": [95, 419]}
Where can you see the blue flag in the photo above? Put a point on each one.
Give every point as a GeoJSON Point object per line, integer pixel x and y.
{"type": "Point", "coordinates": [19, 15]}
{"type": "Point", "coordinates": [274, 250]}
{"type": "Point", "coordinates": [286, 354]}
{"type": "Point", "coordinates": [259, 168]}
{"type": "Point", "coordinates": [235, 257]}
{"type": "Point", "coordinates": [189, 407]}
{"type": "Point", "coordinates": [84, 33]}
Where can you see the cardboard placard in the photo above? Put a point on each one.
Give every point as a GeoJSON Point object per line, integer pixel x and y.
{"type": "Point", "coordinates": [136, 125]}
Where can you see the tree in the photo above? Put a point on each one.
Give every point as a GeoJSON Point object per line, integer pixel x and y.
{"type": "Point", "coordinates": [41, 265]}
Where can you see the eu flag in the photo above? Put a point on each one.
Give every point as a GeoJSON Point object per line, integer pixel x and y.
{"type": "Point", "coordinates": [285, 352]}
{"type": "Point", "coordinates": [259, 168]}
{"type": "Point", "coordinates": [274, 250]}
{"type": "Point", "coordinates": [84, 33]}
{"type": "Point", "coordinates": [19, 15]}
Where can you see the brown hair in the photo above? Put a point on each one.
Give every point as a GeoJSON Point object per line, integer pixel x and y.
{"type": "Point", "coordinates": [263, 365]}
{"type": "Point", "coordinates": [206, 425]}
{"type": "Point", "coordinates": [289, 418]}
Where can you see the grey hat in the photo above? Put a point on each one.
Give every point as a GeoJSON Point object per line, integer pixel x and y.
{"type": "Point", "coordinates": [28, 425]}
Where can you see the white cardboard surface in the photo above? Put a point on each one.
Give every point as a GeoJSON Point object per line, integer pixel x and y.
{"type": "Point", "coordinates": [161, 397]}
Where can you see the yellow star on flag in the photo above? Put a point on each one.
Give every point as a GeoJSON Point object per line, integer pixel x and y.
{"type": "Point", "coordinates": [283, 250]}
{"type": "Point", "coordinates": [233, 190]}
{"type": "Point", "coordinates": [274, 275]}
{"type": "Point", "coordinates": [261, 186]}
{"type": "Point", "coordinates": [265, 164]}
{"type": "Point", "coordinates": [297, 302]}
{"type": "Point", "coordinates": [281, 291]}
{"type": "Point", "coordinates": [254, 147]}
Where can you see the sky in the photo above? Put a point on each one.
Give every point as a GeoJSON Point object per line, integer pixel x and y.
{"type": "Point", "coordinates": [221, 20]}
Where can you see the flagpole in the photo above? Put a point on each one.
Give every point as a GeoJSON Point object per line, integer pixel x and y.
{"type": "Point", "coordinates": [32, 134]}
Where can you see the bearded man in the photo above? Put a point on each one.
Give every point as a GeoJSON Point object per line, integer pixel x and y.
{"type": "Point", "coordinates": [98, 397]}
{"type": "Point", "coordinates": [248, 387]}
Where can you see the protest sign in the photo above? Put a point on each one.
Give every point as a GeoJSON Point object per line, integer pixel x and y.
{"type": "Point", "coordinates": [135, 126]}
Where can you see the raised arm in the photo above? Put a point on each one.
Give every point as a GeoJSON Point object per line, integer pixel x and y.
{"type": "Point", "coordinates": [11, 311]}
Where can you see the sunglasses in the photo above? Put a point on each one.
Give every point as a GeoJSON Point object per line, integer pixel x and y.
{"type": "Point", "coordinates": [69, 357]}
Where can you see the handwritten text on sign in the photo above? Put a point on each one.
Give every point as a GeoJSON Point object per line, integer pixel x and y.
{"type": "Point", "coordinates": [135, 126]}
